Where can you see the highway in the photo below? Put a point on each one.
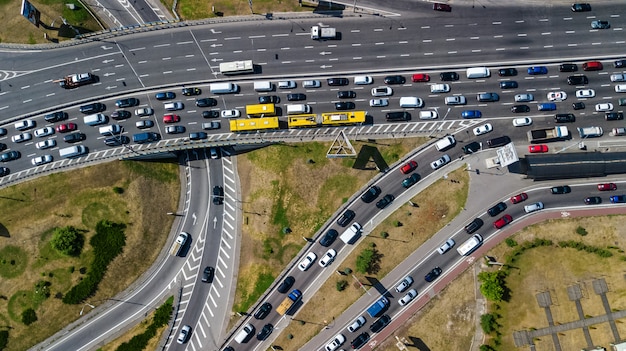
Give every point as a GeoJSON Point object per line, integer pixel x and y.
{"type": "Point", "coordinates": [191, 55]}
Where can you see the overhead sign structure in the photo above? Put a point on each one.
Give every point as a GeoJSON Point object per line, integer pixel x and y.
{"type": "Point", "coordinates": [507, 155]}
{"type": "Point", "coordinates": [30, 12]}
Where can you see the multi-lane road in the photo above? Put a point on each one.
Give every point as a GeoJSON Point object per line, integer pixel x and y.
{"type": "Point", "coordinates": [427, 40]}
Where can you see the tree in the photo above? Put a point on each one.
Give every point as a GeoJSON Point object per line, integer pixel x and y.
{"type": "Point", "coordinates": [364, 260]}
{"type": "Point", "coordinates": [29, 316]}
{"type": "Point", "coordinates": [488, 323]}
{"type": "Point", "coordinates": [68, 241]}
{"type": "Point", "coordinates": [493, 285]}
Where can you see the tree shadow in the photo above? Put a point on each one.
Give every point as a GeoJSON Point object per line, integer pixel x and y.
{"type": "Point", "coordinates": [4, 232]}
{"type": "Point", "coordinates": [418, 344]}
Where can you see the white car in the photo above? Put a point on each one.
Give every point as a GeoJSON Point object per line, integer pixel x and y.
{"type": "Point", "coordinates": [230, 113]}
{"type": "Point", "coordinates": [307, 261]}
{"type": "Point", "coordinates": [20, 138]}
{"type": "Point", "coordinates": [337, 341]}
{"type": "Point", "coordinates": [524, 97]}
{"type": "Point", "coordinates": [46, 144]}
{"type": "Point", "coordinates": [146, 111]}
{"type": "Point", "coordinates": [484, 129]}
{"type": "Point", "coordinates": [428, 114]}
{"type": "Point", "coordinates": [328, 258]}
{"type": "Point", "coordinates": [557, 96]}
{"type": "Point", "coordinates": [442, 161]}
{"type": "Point", "coordinates": [620, 88]}
{"type": "Point", "coordinates": [382, 91]}
{"type": "Point", "coordinates": [585, 93]}
{"type": "Point", "coordinates": [446, 246]}
{"type": "Point", "coordinates": [439, 88]}
{"type": "Point", "coordinates": [604, 107]}
{"type": "Point", "coordinates": [358, 323]}
{"type": "Point", "coordinates": [45, 131]}
{"type": "Point", "coordinates": [410, 295]}
{"type": "Point", "coordinates": [41, 160]}
{"type": "Point", "coordinates": [185, 331]}
{"type": "Point", "coordinates": [620, 77]}
{"type": "Point", "coordinates": [379, 102]}
{"type": "Point", "coordinates": [311, 84]}
{"type": "Point", "coordinates": [522, 122]}
{"type": "Point", "coordinates": [533, 207]}
{"type": "Point", "coordinates": [404, 284]}
{"type": "Point", "coordinates": [287, 84]}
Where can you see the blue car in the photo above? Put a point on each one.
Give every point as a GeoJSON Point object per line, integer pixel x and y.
{"type": "Point", "coordinates": [534, 70]}
{"type": "Point", "coordinates": [546, 106]}
{"type": "Point", "coordinates": [618, 199]}
{"type": "Point", "coordinates": [471, 114]}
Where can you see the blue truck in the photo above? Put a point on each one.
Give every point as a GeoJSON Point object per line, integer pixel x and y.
{"type": "Point", "coordinates": [289, 302]}
{"type": "Point", "coordinates": [378, 307]}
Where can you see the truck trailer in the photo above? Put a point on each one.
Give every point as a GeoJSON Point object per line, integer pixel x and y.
{"type": "Point", "coordinates": [319, 33]}
{"type": "Point", "coordinates": [179, 244]}
{"type": "Point", "coordinates": [289, 302]}
{"type": "Point", "coordinates": [548, 134]}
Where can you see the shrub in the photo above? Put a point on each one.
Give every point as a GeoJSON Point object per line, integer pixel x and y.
{"type": "Point", "coordinates": [118, 190]}
{"type": "Point", "coordinates": [347, 270]}
{"type": "Point", "coordinates": [581, 231]}
{"type": "Point", "coordinates": [341, 285]}
{"type": "Point", "coordinates": [68, 241]}
{"type": "Point", "coordinates": [161, 317]}
{"type": "Point", "coordinates": [397, 224]}
{"type": "Point", "coordinates": [289, 336]}
{"type": "Point", "coordinates": [29, 316]}
{"type": "Point", "coordinates": [384, 235]}
{"type": "Point", "coordinates": [488, 323]}
{"type": "Point", "coordinates": [365, 260]}
{"type": "Point", "coordinates": [493, 286]}
{"type": "Point", "coordinates": [510, 242]}
{"type": "Point", "coordinates": [4, 339]}
{"type": "Point", "coordinates": [486, 348]}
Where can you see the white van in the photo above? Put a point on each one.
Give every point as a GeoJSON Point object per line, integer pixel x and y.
{"type": "Point", "coordinates": [439, 88]}
{"type": "Point", "coordinates": [223, 88]}
{"type": "Point", "coordinates": [478, 72]}
{"type": "Point", "coordinates": [470, 245]}
{"type": "Point", "coordinates": [73, 151]}
{"type": "Point", "coordinates": [173, 106]}
{"type": "Point", "coordinates": [411, 101]}
{"type": "Point", "coordinates": [245, 333]}
{"type": "Point", "coordinates": [363, 80]}
{"type": "Point", "coordinates": [95, 119]}
{"type": "Point", "coordinates": [350, 234]}
{"type": "Point", "coordinates": [265, 85]}
{"type": "Point", "coordinates": [445, 143]}
{"type": "Point", "coordinates": [110, 130]}
{"type": "Point", "coordinates": [298, 109]}
{"type": "Point", "coordinates": [287, 84]}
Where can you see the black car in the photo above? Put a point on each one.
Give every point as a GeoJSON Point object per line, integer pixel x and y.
{"type": "Point", "coordinates": [120, 114]}
{"type": "Point", "coordinates": [398, 116]}
{"type": "Point", "coordinates": [581, 7]}
{"type": "Point", "coordinates": [449, 76]}
{"type": "Point", "coordinates": [346, 105]}
{"type": "Point", "coordinates": [10, 156]}
{"type": "Point", "coordinates": [74, 137]}
{"type": "Point", "coordinates": [346, 94]}
{"type": "Point", "coordinates": [508, 84]}
{"type": "Point", "coordinates": [94, 107]}
{"type": "Point", "coordinates": [613, 116]}
{"type": "Point", "coordinates": [55, 116]}
{"type": "Point", "coordinates": [380, 323]}
{"type": "Point", "coordinates": [578, 105]}
{"type": "Point", "coordinates": [474, 225]}
{"type": "Point", "coordinates": [507, 72]}
{"type": "Point", "coordinates": [168, 95]}
{"type": "Point", "coordinates": [577, 80]}
{"type": "Point", "coordinates": [345, 218]}
{"type": "Point", "coordinates": [620, 63]}
{"type": "Point", "coordinates": [471, 147]}
{"type": "Point", "coordinates": [117, 141]}
{"type": "Point", "coordinates": [593, 200]}
{"type": "Point", "coordinates": [263, 311]}
{"type": "Point", "coordinates": [564, 118]}
{"type": "Point", "coordinates": [370, 194]}
{"type": "Point", "coordinates": [191, 91]}
{"type": "Point", "coordinates": [218, 195]}
{"type": "Point", "coordinates": [296, 97]}
{"type": "Point", "coordinates": [487, 97]}
{"type": "Point", "coordinates": [568, 67]}
{"type": "Point", "coordinates": [206, 102]}
{"type": "Point", "coordinates": [197, 136]}
{"type": "Point", "coordinates": [268, 99]}
{"type": "Point", "coordinates": [411, 180]}
{"type": "Point", "coordinates": [286, 284]}
{"type": "Point", "coordinates": [496, 209]}
{"type": "Point", "coordinates": [4, 171]}
{"type": "Point", "coordinates": [395, 80]}
{"type": "Point", "coordinates": [385, 201]}
{"type": "Point", "coordinates": [562, 189]}
{"type": "Point", "coordinates": [433, 274]}
{"type": "Point", "coordinates": [265, 332]}
{"type": "Point", "coordinates": [497, 142]}
{"type": "Point", "coordinates": [360, 340]}
{"type": "Point", "coordinates": [520, 108]}
{"type": "Point", "coordinates": [129, 102]}
{"type": "Point", "coordinates": [207, 274]}
{"type": "Point", "coordinates": [210, 114]}
{"type": "Point", "coordinates": [329, 238]}
{"type": "Point", "coordinates": [337, 81]}
{"type": "Point", "coordinates": [3, 146]}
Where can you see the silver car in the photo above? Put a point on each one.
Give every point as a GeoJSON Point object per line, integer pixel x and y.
{"type": "Point", "coordinates": [524, 97]}
{"type": "Point", "coordinates": [446, 246]}
{"type": "Point", "coordinates": [404, 284]}
{"type": "Point", "coordinates": [533, 207]}
{"type": "Point", "coordinates": [410, 295]}
{"type": "Point", "coordinates": [358, 323]}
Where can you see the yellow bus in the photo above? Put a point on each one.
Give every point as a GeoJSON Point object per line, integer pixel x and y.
{"type": "Point", "coordinates": [343, 118]}
{"type": "Point", "coordinates": [253, 124]}
{"type": "Point", "coordinates": [302, 121]}
{"type": "Point", "coordinates": [261, 110]}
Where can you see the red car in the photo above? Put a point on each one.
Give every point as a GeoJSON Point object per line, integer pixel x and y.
{"type": "Point", "coordinates": [519, 198]}
{"type": "Point", "coordinates": [592, 66]}
{"type": "Point", "coordinates": [171, 119]}
{"type": "Point", "coordinates": [67, 127]}
{"type": "Point", "coordinates": [504, 220]}
{"type": "Point", "coordinates": [408, 167]}
{"type": "Point", "coordinates": [607, 187]}
{"type": "Point", "coordinates": [442, 7]}
{"type": "Point", "coordinates": [534, 149]}
{"type": "Point", "coordinates": [420, 77]}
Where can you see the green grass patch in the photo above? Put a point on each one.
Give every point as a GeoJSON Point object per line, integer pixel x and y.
{"type": "Point", "coordinates": [162, 172]}
{"type": "Point", "coordinates": [95, 212]}
{"type": "Point", "coordinates": [264, 281]}
{"type": "Point", "coordinates": [279, 158]}
{"type": "Point", "coordinates": [20, 301]}
{"type": "Point", "coordinates": [279, 211]}
{"type": "Point", "coordinates": [13, 261]}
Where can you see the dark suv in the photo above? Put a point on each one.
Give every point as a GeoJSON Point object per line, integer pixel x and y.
{"type": "Point", "coordinates": [471, 147]}
{"type": "Point", "coordinates": [395, 80]}
{"type": "Point", "coordinates": [568, 67]}
{"type": "Point", "coordinates": [337, 81]}
{"type": "Point", "coordinates": [577, 80]}
{"type": "Point", "coordinates": [74, 137]}
{"type": "Point", "coordinates": [497, 209]}
{"type": "Point", "coordinates": [500, 141]}
{"type": "Point", "coordinates": [449, 76]}
{"type": "Point", "coordinates": [263, 311]}
{"type": "Point", "coordinates": [380, 323]}
{"type": "Point", "coordinates": [564, 118]}
{"type": "Point", "coordinates": [345, 218]}
{"type": "Point", "coordinates": [218, 195]}
{"type": "Point", "coordinates": [286, 284]}
{"type": "Point", "coordinates": [487, 97]}
{"type": "Point", "coordinates": [398, 116]}
{"type": "Point", "coordinates": [360, 340]}
{"type": "Point", "coordinates": [92, 108]}
{"type": "Point", "coordinates": [296, 97]}
{"type": "Point", "coordinates": [329, 238]}
{"type": "Point", "coordinates": [55, 116]}
{"type": "Point", "coordinates": [474, 225]}
{"type": "Point", "coordinates": [370, 194]}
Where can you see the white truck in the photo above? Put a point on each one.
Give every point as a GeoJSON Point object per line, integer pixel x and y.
{"type": "Point", "coordinates": [590, 132]}
{"type": "Point", "coordinates": [320, 33]}
{"type": "Point", "coordinates": [350, 234]}
{"type": "Point", "coordinates": [548, 134]}
{"type": "Point", "coordinates": [179, 243]}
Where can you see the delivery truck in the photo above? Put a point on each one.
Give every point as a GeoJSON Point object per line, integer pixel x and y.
{"type": "Point", "coordinates": [289, 302]}
{"type": "Point", "coordinates": [548, 134]}
{"type": "Point", "coordinates": [179, 244]}
{"type": "Point", "coordinates": [378, 307]}
{"type": "Point", "coordinates": [320, 33]}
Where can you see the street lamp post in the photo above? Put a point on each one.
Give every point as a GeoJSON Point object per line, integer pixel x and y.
{"type": "Point", "coordinates": [83, 309]}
